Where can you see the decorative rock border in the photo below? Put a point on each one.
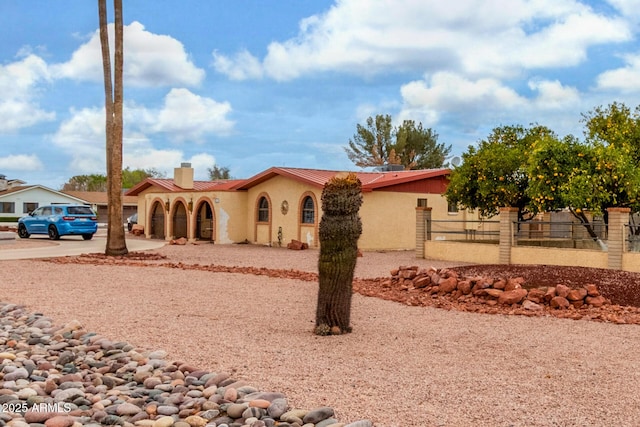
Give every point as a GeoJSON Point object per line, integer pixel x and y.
{"type": "Point", "coordinates": [494, 291]}
{"type": "Point", "coordinates": [67, 377]}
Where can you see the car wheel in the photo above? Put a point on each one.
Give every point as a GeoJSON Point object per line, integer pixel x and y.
{"type": "Point", "coordinates": [87, 236]}
{"type": "Point", "coordinates": [53, 233]}
{"type": "Point", "coordinates": [22, 232]}
{"type": "Point", "coordinates": [129, 226]}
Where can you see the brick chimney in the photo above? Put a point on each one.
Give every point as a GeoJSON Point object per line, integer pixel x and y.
{"type": "Point", "coordinates": [183, 176]}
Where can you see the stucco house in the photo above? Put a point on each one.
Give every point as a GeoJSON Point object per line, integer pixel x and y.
{"type": "Point", "coordinates": [281, 204]}
{"type": "Point", "coordinates": [18, 199]}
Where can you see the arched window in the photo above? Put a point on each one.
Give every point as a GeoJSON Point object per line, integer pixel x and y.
{"type": "Point", "coordinates": [308, 211]}
{"type": "Point", "coordinates": [263, 210]}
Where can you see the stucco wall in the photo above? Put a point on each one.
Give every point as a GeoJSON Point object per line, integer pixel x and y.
{"type": "Point", "coordinates": [558, 256]}
{"type": "Point", "coordinates": [277, 190]}
{"type": "Point", "coordinates": [228, 208]}
{"type": "Point", "coordinates": [475, 253]}
{"type": "Point", "coordinates": [631, 261]}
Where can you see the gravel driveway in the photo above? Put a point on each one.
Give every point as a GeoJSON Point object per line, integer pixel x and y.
{"type": "Point", "coordinates": [401, 366]}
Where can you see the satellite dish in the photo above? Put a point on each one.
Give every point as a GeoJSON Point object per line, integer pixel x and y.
{"type": "Point", "coordinates": [455, 161]}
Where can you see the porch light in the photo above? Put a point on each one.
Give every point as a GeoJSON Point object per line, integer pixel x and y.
{"type": "Point", "coordinates": [167, 205]}
{"type": "Point", "coordinates": [190, 204]}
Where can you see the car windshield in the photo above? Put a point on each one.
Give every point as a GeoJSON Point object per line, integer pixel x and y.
{"type": "Point", "coordinates": [79, 210]}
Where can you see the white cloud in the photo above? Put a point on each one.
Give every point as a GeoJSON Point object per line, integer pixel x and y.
{"type": "Point", "coordinates": [20, 84]}
{"type": "Point", "coordinates": [83, 138]}
{"type": "Point", "coordinates": [241, 67]}
{"type": "Point", "coordinates": [474, 37]}
{"type": "Point", "coordinates": [149, 60]}
{"type": "Point", "coordinates": [625, 79]}
{"type": "Point", "coordinates": [183, 117]}
{"type": "Point", "coordinates": [21, 162]}
{"type": "Point", "coordinates": [186, 116]}
{"type": "Point", "coordinates": [630, 8]}
{"type": "Point", "coordinates": [482, 100]}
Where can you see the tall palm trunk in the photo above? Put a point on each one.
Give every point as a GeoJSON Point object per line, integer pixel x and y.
{"type": "Point", "coordinates": [116, 244]}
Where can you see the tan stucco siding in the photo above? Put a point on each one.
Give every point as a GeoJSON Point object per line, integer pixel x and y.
{"type": "Point", "coordinates": [228, 208]}
{"type": "Point", "coordinates": [278, 190]}
{"type": "Point", "coordinates": [389, 219]}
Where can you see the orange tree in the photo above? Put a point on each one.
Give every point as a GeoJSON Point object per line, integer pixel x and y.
{"type": "Point", "coordinates": [535, 171]}
{"type": "Point", "coordinates": [494, 174]}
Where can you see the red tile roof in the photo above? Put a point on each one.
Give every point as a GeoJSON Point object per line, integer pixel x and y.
{"type": "Point", "coordinates": [169, 185]}
{"type": "Point", "coordinates": [314, 177]}
{"type": "Point", "coordinates": [99, 197]}
{"type": "Point", "coordinates": [317, 178]}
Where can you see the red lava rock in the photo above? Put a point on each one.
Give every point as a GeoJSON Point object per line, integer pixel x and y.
{"type": "Point", "coordinates": [598, 301]}
{"type": "Point", "coordinates": [559, 302]}
{"type": "Point", "coordinates": [513, 296]}
{"type": "Point", "coordinates": [536, 295]}
{"type": "Point", "coordinates": [513, 283]}
{"type": "Point", "coordinates": [531, 306]}
{"type": "Point", "coordinates": [448, 285]}
{"type": "Point", "coordinates": [297, 245]}
{"type": "Point", "coordinates": [577, 294]}
{"type": "Point", "coordinates": [495, 293]}
{"type": "Point", "coordinates": [592, 290]}
{"type": "Point", "coordinates": [464, 286]}
{"type": "Point", "coordinates": [562, 291]}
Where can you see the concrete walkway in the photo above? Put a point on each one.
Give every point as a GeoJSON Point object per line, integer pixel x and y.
{"type": "Point", "coordinates": [71, 245]}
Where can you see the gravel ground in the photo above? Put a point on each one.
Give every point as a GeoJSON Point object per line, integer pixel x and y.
{"type": "Point", "coordinates": [402, 366]}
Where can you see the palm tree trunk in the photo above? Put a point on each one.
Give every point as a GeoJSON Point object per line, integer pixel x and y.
{"type": "Point", "coordinates": [116, 244]}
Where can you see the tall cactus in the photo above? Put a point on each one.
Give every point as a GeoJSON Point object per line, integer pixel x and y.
{"type": "Point", "coordinates": [340, 228]}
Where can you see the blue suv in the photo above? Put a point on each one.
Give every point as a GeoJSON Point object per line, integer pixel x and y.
{"type": "Point", "coordinates": [59, 220]}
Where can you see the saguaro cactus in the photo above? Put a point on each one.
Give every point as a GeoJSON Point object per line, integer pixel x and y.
{"type": "Point", "coordinates": [340, 228]}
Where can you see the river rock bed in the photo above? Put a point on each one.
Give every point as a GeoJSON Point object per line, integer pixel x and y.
{"type": "Point", "coordinates": [65, 376]}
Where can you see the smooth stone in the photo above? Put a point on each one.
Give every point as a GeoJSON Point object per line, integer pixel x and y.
{"type": "Point", "coordinates": [209, 414]}
{"type": "Point", "coordinates": [167, 410]}
{"type": "Point", "coordinates": [127, 409]}
{"type": "Point", "coordinates": [196, 421]}
{"type": "Point", "coordinates": [327, 423]}
{"type": "Point", "coordinates": [317, 415]}
{"type": "Point", "coordinates": [164, 422]}
{"type": "Point", "coordinates": [68, 394]}
{"type": "Point", "coordinates": [254, 412]}
{"type": "Point", "coordinates": [235, 410]}
{"type": "Point", "coordinates": [20, 373]}
{"type": "Point", "coordinates": [60, 421]}
{"type": "Point", "coordinates": [278, 407]}
{"type": "Point", "coordinates": [158, 354]}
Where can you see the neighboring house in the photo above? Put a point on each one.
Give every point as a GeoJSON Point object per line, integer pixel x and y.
{"type": "Point", "coordinates": [17, 199]}
{"type": "Point", "coordinates": [281, 204]}
{"type": "Point", "coordinates": [98, 201]}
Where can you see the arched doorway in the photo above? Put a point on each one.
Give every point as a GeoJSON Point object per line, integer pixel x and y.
{"type": "Point", "coordinates": [180, 221]}
{"type": "Point", "coordinates": [205, 222]}
{"type": "Point", "coordinates": [157, 221]}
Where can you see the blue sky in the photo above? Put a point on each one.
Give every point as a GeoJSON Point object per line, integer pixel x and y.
{"type": "Point", "coordinates": [254, 84]}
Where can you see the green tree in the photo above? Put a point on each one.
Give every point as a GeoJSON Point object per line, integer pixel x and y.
{"type": "Point", "coordinates": [410, 145]}
{"type": "Point", "coordinates": [93, 182]}
{"type": "Point", "coordinates": [418, 148]}
{"type": "Point", "coordinates": [218, 173]}
{"type": "Point", "coordinates": [372, 144]}
{"type": "Point", "coordinates": [114, 94]}
{"type": "Point", "coordinates": [132, 177]}
{"type": "Point", "coordinates": [98, 182]}
{"type": "Point", "coordinates": [494, 174]}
